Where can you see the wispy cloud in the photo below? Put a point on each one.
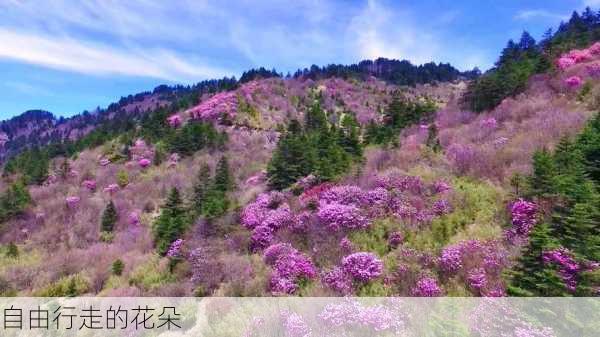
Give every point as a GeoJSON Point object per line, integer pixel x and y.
{"type": "Point", "coordinates": [94, 58]}
{"type": "Point", "coordinates": [539, 13]}
{"type": "Point", "coordinates": [190, 40]}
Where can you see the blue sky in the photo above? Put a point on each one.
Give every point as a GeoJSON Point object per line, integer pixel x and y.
{"type": "Point", "coordinates": [69, 56]}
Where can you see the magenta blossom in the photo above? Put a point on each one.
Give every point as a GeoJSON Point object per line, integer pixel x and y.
{"type": "Point", "coordinates": [89, 184]}
{"type": "Point", "coordinates": [175, 249]}
{"type": "Point", "coordinates": [362, 266]}
{"type": "Point", "coordinates": [174, 120]}
{"type": "Point", "coordinates": [72, 202]}
{"type": "Point", "coordinates": [574, 81]}
{"type": "Point", "coordinates": [426, 287]}
{"type": "Point", "coordinates": [144, 162]}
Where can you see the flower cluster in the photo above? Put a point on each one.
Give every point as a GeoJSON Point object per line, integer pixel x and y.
{"type": "Point", "coordinates": [104, 161]}
{"type": "Point", "coordinates": [72, 202]}
{"type": "Point", "coordinates": [395, 239]}
{"type": "Point", "coordinates": [338, 280]}
{"type": "Point", "coordinates": [343, 194]}
{"type": "Point", "coordinates": [567, 266]}
{"type": "Point", "coordinates": [111, 188]}
{"type": "Point", "coordinates": [336, 216]}
{"type": "Point", "coordinates": [140, 150]}
{"type": "Point", "coordinates": [362, 266]}
{"type": "Point", "coordinates": [441, 186]}
{"type": "Point", "coordinates": [174, 120]}
{"type": "Point", "coordinates": [144, 162]}
{"type": "Point", "coordinates": [489, 123]}
{"type": "Point", "coordinates": [175, 249]}
{"type": "Point", "coordinates": [217, 107]}
{"type": "Point", "coordinates": [594, 69]}
{"type": "Point", "coordinates": [289, 267]}
{"type": "Point", "coordinates": [574, 81]}
{"type": "Point", "coordinates": [441, 207]}
{"type": "Point", "coordinates": [523, 217]}
{"type": "Point", "coordinates": [426, 287]}
{"type": "Point", "coordinates": [89, 184]}
{"type": "Point", "coordinates": [134, 218]}
{"type": "Point", "coordinates": [479, 263]}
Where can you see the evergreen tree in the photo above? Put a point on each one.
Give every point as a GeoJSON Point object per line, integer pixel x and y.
{"type": "Point", "coordinates": [349, 137]}
{"type": "Point", "coordinates": [109, 218]}
{"type": "Point", "coordinates": [432, 138]}
{"type": "Point", "coordinates": [201, 187]}
{"type": "Point", "coordinates": [223, 178]}
{"type": "Point", "coordinates": [315, 118]}
{"type": "Point", "coordinates": [14, 201]}
{"type": "Point", "coordinates": [171, 223]}
{"type": "Point", "coordinates": [541, 183]}
{"type": "Point", "coordinates": [531, 277]}
{"type": "Point", "coordinates": [12, 250]}
{"type": "Point", "coordinates": [117, 267]}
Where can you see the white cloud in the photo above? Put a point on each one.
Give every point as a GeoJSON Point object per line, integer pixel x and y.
{"type": "Point", "coordinates": [538, 13]}
{"type": "Point", "coordinates": [379, 32]}
{"type": "Point", "coordinates": [93, 58]}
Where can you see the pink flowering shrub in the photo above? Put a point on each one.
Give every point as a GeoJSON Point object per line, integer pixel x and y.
{"type": "Point", "coordinates": [593, 69]}
{"type": "Point", "coordinates": [261, 237]}
{"type": "Point", "coordinates": [175, 249]}
{"type": "Point", "coordinates": [289, 268]}
{"type": "Point", "coordinates": [144, 162]}
{"type": "Point", "coordinates": [479, 263]}
{"type": "Point", "coordinates": [141, 150]}
{"type": "Point", "coordinates": [112, 188]}
{"type": "Point", "coordinates": [523, 218]}
{"type": "Point", "coordinates": [362, 266]}
{"type": "Point", "coordinates": [568, 267]}
{"type": "Point", "coordinates": [218, 107]}
{"type": "Point", "coordinates": [489, 123]}
{"type": "Point", "coordinates": [441, 187]}
{"type": "Point", "coordinates": [72, 202]}
{"type": "Point", "coordinates": [134, 218]}
{"type": "Point", "coordinates": [174, 120]}
{"type": "Point", "coordinates": [426, 287]}
{"type": "Point", "coordinates": [338, 280]}
{"type": "Point", "coordinates": [565, 62]}
{"type": "Point", "coordinates": [395, 239]}
{"type": "Point", "coordinates": [336, 216]}
{"type": "Point", "coordinates": [275, 251]}
{"type": "Point", "coordinates": [579, 55]}
{"type": "Point", "coordinates": [89, 184]}
{"type": "Point", "coordinates": [574, 81]}
{"type": "Point", "coordinates": [344, 194]}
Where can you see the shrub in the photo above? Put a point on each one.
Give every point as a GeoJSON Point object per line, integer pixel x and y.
{"type": "Point", "coordinates": [362, 266]}
{"type": "Point", "coordinates": [122, 178]}
{"type": "Point", "coordinates": [117, 267]}
{"type": "Point", "coordinates": [109, 218]}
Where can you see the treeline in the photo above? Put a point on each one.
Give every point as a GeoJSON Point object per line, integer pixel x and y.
{"type": "Point", "coordinates": [33, 164]}
{"type": "Point", "coordinates": [392, 71]}
{"type": "Point", "coordinates": [518, 61]}
{"type": "Point", "coordinates": [318, 147]}
{"type": "Point", "coordinates": [567, 183]}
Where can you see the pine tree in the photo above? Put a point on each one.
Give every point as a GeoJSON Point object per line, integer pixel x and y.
{"type": "Point", "coordinates": [109, 218]}
{"type": "Point", "coordinates": [117, 267]}
{"type": "Point", "coordinates": [223, 178]}
{"type": "Point", "coordinates": [171, 222]}
{"type": "Point", "coordinates": [541, 183]}
{"type": "Point", "coordinates": [12, 250]}
{"type": "Point", "coordinates": [315, 118]}
{"type": "Point", "coordinates": [349, 137]}
{"type": "Point", "coordinates": [14, 201]}
{"type": "Point", "coordinates": [432, 138]}
{"type": "Point", "coordinates": [531, 277]}
{"type": "Point", "coordinates": [203, 184]}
